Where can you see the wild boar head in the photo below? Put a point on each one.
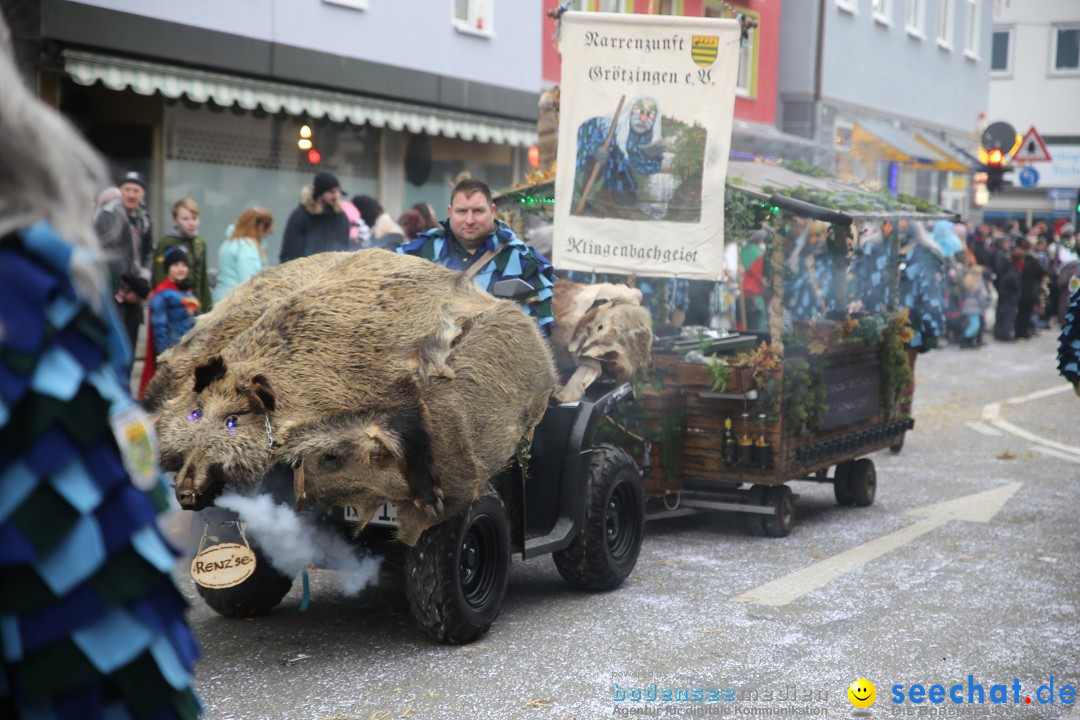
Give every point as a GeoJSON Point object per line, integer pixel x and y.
{"type": "Point", "coordinates": [218, 432]}
{"type": "Point", "coordinates": [361, 458]}
{"type": "Point", "coordinates": [617, 334]}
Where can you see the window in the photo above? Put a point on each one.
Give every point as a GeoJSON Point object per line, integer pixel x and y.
{"type": "Point", "coordinates": [848, 6]}
{"type": "Point", "coordinates": [842, 139]}
{"type": "Point", "coordinates": [746, 84]}
{"type": "Point", "coordinates": [1066, 51]}
{"type": "Point", "coordinates": [916, 17]}
{"type": "Point", "coordinates": [1000, 51]}
{"type": "Point", "coordinates": [883, 11]}
{"type": "Point", "coordinates": [357, 4]}
{"type": "Point", "coordinates": [972, 28]}
{"type": "Point", "coordinates": [473, 16]}
{"type": "Point", "coordinates": [614, 6]}
{"type": "Point", "coordinates": [946, 16]}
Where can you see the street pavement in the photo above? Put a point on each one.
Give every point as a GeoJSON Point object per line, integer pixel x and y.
{"type": "Point", "coordinates": [963, 572]}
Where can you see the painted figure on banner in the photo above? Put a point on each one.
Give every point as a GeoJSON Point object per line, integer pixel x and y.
{"type": "Point", "coordinates": [633, 171]}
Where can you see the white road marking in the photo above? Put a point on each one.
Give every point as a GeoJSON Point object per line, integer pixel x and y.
{"type": "Point", "coordinates": [979, 507]}
{"type": "Point", "coordinates": [1071, 457]}
{"type": "Point", "coordinates": [991, 415]}
{"type": "Point", "coordinates": [1032, 437]}
{"type": "Point", "coordinates": [1038, 394]}
{"type": "Point", "coordinates": [984, 429]}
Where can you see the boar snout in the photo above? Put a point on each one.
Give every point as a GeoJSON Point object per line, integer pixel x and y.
{"type": "Point", "coordinates": [194, 492]}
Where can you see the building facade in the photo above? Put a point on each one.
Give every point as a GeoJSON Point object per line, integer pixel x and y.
{"type": "Point", "coordinates": [754, 133]}
{"type": "Point", "coordinates": [1035, 83]}
{"type": "Point", "coordinates": [891, 89]}
{"type": "Point", "coordinates": [208, 98]}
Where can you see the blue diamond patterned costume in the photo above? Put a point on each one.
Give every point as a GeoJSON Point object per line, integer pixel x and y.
{"type": "Point", "coordinates": [91, 622]}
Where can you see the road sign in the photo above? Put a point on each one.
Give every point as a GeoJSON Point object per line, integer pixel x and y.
{"type": "Point", "coordinates": [1032, 148]}
{"type": "Point", "coordinates": [999, 135]}
{"type": "Point", "coordinates": [1029, 177]}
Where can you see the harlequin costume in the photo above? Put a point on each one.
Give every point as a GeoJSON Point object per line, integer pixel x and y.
{"type": "Point", "coordinates": [91, 622]}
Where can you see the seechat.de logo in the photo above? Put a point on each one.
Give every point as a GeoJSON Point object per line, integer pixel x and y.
{"type": "Point", "coordinates": [862, 693]}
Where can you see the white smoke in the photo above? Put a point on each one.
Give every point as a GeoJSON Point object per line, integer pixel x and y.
{"type": "Point", "coordinates": [291, 544]}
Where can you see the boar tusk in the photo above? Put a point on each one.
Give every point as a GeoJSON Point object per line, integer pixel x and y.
{"type": "Point", "coordinates": [299, 489]}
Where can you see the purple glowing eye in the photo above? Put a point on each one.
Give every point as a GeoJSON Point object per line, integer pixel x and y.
{"type": "Point", "coordinates": [194, 415]}
{"type": "Point", "coordinates": [230, 422]}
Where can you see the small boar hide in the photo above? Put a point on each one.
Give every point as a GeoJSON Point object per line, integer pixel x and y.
{"type": "Point", "coordinates": [600, 330]}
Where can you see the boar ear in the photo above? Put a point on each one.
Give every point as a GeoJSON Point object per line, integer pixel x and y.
{"type": "Point", "coordinates": [391, 448]}
{"type": "Point", "coordinates": [264, 391]}
{"type": "Point", "coordinates": [412, 423]}
{"type": "Point", "coordinates": [208, 372]}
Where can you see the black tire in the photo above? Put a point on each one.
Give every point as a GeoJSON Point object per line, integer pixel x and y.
{"type": "Point", "coordinates": [863, 482]}
{"type": "Point", "coordinates": [780, 524]}
{"type": "Point", "coordinates": [258, 595]}
{"type": "Point", "coordinates": [842, 484]}
{"type": "Point", "coordinates": [456, 575]}
{"type": "Point", "coordinates": [605, 551]}
{"type": "Point", "coordinates": [755, 524]}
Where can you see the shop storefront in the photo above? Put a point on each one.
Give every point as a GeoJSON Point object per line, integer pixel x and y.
{"type": "Point", "coordinates": [231, 142]}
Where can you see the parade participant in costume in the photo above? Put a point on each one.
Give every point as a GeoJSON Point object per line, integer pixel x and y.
{"type": "Point", "coordinates": [807, 295]}
{"type": "Point", "coordinates": [91, 621]}
{"type": "Point", "coordinates": [922, 292]}
{"type": "Point", "coordinates": [752, 260]}
{"type": "Point", "coordinates": [637, 147]}
{"type": "Point", "coordinates": [173, 308]}
{"type": "Point", "coordinates": [1069, 340]}
{"type": "Point", "coordinates": [870, 266]}
{"type": "Point", "coordinates": [474, 241]}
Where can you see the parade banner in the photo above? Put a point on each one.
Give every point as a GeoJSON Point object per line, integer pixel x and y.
{"type": "Point", "coordinates": [644, 134]}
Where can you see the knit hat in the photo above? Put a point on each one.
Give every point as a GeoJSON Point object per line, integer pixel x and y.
{"type": "Point", "coordinates": [369, 208]}
{"type": "Point", "coordinates": [174, 255]}
{"type": "Point", "coordinates": [324, 182]}
{"type": "Point", "coordinates": [133, 177]}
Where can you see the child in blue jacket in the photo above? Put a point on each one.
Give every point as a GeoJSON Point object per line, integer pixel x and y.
{"type": "Point", "coordinates": [173, 308]}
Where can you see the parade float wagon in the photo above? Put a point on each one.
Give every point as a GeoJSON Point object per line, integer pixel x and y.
{"type": "Point", "coordinates": [726, 419]}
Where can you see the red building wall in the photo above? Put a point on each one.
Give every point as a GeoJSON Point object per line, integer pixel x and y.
{"type": "Point", "coordinates": [761, 108]}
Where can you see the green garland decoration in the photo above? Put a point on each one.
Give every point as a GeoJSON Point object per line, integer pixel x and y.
{"type": "Point", "coordinates": [895, 371]}
{"type": "Point", "coordinates": [804, 393]}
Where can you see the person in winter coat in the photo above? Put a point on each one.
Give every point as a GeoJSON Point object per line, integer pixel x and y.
{"type": "Point", "coordinates": [173, 308]}
{"type": "Point", "coordinates": [185, 213]}
{"type": "Point", "coordinates": [318, 224]}
{"type": "Point", "coordinates": [242, 256]}
{"type": "Point", "coordinates": [975, 301]}
{"type": "Point", "coordinates": [1008, 287]}
{"type": "Point", "coordinates": [1032, 274]}
{"type": "Point", "coordinates": [385, 233]}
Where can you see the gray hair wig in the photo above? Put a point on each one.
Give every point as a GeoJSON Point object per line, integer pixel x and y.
{"type": "Point", "coordinates": [47, 172]}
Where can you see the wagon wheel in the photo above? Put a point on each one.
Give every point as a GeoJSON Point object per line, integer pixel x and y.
{"type": "Point", "coordinates": [754, 521]}
{"type": "Point", "coordinates": [863, 482]}
{"type": "Point", "coordinates": [842, 484]}
{"type": "Point", "coordinates": [780, 524]}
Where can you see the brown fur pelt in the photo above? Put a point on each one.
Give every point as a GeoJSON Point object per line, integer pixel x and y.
{"type": "Point", "coordinates": [384, 377]}
{"type": "Point", "coordinates": [600, 330]}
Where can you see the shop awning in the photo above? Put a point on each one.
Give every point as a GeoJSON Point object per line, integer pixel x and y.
{"type": "Point", "coordinates": [172, 81]}
{"type": "Point", "coordinates": [953, 160]}
{"type": "Point", "coordinates": [878, 140]}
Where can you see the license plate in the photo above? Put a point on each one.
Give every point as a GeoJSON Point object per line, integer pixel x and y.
{"type": "Point", "coordinates": [386, 515]}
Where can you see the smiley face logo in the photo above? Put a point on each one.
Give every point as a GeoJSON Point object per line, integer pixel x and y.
{"type": "Point", "coordinates": [862, 693]}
